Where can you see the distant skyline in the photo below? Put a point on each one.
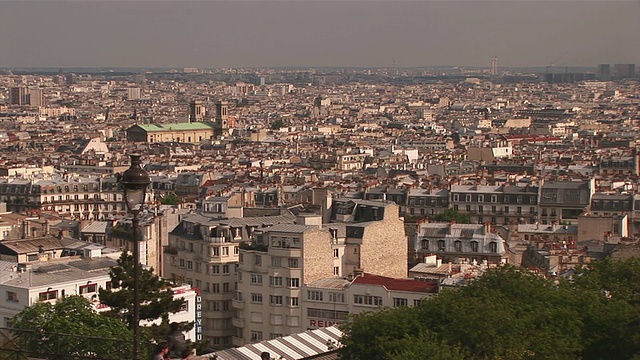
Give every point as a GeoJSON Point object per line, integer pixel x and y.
{"type": "Point", "coordinates": [237, 33]}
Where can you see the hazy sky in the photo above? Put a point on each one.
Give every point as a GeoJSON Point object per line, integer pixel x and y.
{"type": "Point", "coordinates": [236, 33]}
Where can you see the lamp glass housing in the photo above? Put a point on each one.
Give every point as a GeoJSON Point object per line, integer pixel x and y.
{"type": "Point", "coordinates": [135, 182]}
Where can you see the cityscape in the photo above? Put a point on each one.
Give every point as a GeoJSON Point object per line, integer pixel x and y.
{"type": "Point", "coordinates": [277, 212]}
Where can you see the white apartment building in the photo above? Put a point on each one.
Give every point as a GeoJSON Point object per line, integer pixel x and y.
{"type": "Point", "coordinates": [23, 285]}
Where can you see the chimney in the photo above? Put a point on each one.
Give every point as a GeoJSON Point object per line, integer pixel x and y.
{"type": "Point", "coordinates": [487, 227]}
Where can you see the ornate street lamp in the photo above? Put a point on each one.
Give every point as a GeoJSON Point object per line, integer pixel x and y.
{"type": "Point", "coordinates": [135, 182]}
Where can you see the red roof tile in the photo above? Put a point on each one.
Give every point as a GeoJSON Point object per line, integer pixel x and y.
{"type": "Point", "coordinates": [396, 284]}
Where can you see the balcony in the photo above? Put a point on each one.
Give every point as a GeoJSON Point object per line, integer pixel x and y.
{"type": "Point", "coordinates": [237, 304]}
{"type": "Point", "coordinates": [237, 341]}
{"type": "Point", "coordinates": [237, 322]}
{"type": "Point", "coordinates": [170, 250]}
{"type": "Point", "coordinates": [216, 240]}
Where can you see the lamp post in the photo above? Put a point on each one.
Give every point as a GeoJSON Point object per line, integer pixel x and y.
{"type": "Point", "coordinates": [135, 182]}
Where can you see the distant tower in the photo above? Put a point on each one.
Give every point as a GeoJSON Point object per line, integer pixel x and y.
{"type": "Point", "coordinates": [604, 72]}
{"type": "Point", "coordinates": [19, 95]}
{"type": "Point", "coordinates": [196, 111]}
{"type": "Point", "coordinates": [494, 66]}
{"type": "Point", "coordinates": [222, 122]}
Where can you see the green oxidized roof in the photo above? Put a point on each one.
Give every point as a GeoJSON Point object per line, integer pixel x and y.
{"type": "Point", "coordinates": [176, 127]}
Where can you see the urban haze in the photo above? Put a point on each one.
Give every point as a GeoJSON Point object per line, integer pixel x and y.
{"type": "Point", "coordinates": [151, 34]}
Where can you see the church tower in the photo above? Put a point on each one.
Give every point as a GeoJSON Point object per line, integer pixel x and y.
{"type": "Point", "coordinates": [196, 111]}
{"type": "Point", "coordinates": [222, 123]}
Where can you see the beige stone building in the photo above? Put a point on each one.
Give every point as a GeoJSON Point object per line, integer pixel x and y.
{"type": "Point", "coordinates": [366, 236]}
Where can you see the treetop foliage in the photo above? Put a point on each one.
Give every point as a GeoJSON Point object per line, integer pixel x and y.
{"type": "Point", "coordinates": [511, 314]}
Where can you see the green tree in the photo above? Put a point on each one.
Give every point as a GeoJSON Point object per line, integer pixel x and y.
{"type": "Point", "coordinates": [508, 314]}
{"type": "Point", "coordinates": [171, 199]}
{"type": "Point", "coordinates": [71, 327]}
{"type": "Point", "coordinates": [156, 297]}
{"type": "Point", "coordinates": [613, 327]}
{"type": "Point", "coordinates": [277, 124]}
{"type": "Point", "coordinates": [452, 215]}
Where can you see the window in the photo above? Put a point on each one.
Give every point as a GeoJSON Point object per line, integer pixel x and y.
{"type": "Point", "coordinates": [216, 251]}
{"type": "Point", "coordinates": [293, 263]}
{"type": "Point", "coordinates": [216, 269]}
{"type": "Point", "coordinates": [87, 289]}
{"type": "Point", "coordinates": [256, 298]}
{"type": "Point", "coordinates": [425, 244]}
{"type": "Point", "coordinates": [336, 253]}
{"type": "Point", "coordinates": [336, 270]}
{"type": "Point", "coordinates": [417, 302]}
{"type": "Point", "coordinates": [225, 251]}
{"type": "Point", "coordinates": [493, 246]}
{"type": "Point", "coordinates": [276, 261]}
{"type": "Point", "coordinates": [480, 198]}
{"type": "Point", "coordinates": [474, 246]}
{"type": "Point", "coordinates": [293, 282]}
{"type": "Point", "coordinates": [480, 209]}
{"type": "Point", "coordinates": [494, 198]}
{"type": "Point", "coordinates": [275, 280]}
{"type": "Point", "coordinates": [275, 335]}
{"type": "Point", "coordinates": [336, 297]}
{"type": "Point", "coordinates": [314, 295]}
{"type": "Point", "coordinates": [506, 209]}
{"type": "Point", "coordinates": [216, 288]}
{"type": "Point", "coordinates": [236, 250]}
{"type": "Point", "coordinates": [181, 263]}
{"type": "Point", "coordinates": [441, 245]}
{"type": "Point", "coordinates": [225, 269]}
{"type": "Point", "coordinates": [12, 296]}
{"type": "Point", "coordinates": [455, 197]}
{"type": "Point", "coordinates": [519, 199]}
{"type": "Point", "coordinates": [293, 301]}
{"type": "Point", "coordinates": [189, 265]}
{"type": "Point", "coordinates": [256, 279]}
{"type": "Point", "coordinates": [258, 260]}
{"type": "Point", "coordinates": [275, 300]}
{"type": "Point", "coordinates": [397, 302]}
{"type": "Point", "coordinates": [457, 245]}
{"type": "Point", "coordinates": [367, 300]}
{"type": "Point", "coordinates": [48, 295]}
{"type": "Point", "coordinates": [256, 335]}
{"type": "Point", "coordinates": [327, 314]}
{"type": "Point", "coordinates": [225, 287]}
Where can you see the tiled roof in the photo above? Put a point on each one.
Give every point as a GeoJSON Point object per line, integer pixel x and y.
{"type": "Point", "coordinates": [293, 347]}
{"type": "Point", "coordinates": [396, 284]}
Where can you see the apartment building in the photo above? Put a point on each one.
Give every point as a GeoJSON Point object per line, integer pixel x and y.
{"type": "Point", "coordinates": [364, 236]}
{"type": "Point", "coordinates": [268, 298]}
{"type": "Point", "coordinates": [427, 202]}
{"type": "Point", "coordinates": [329, 301]}
{"type": "Point", "coordinates": [496, 204]}
{"type": "Point", "coordinates": [564, 201]}
{"type": "Point", "coordinates": [23, 285]}
{"type": "Point", "coordinates": [73, 197]}
{"type": "Point", "coordinates": [203, 252]}
{"type": "Point", "coordinates": [454, 242]}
